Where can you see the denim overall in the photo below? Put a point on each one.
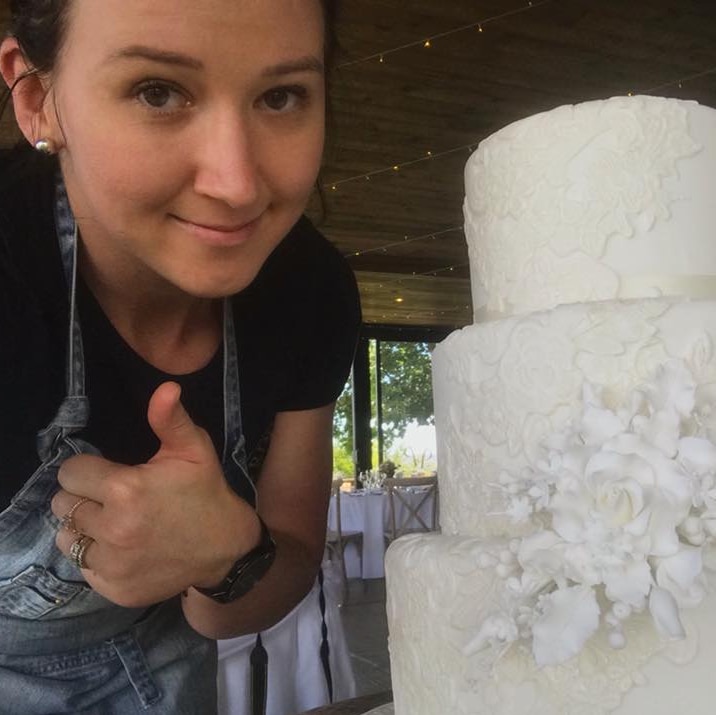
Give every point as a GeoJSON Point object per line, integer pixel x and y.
{"type": "Point", "coordinates": [63, 647]}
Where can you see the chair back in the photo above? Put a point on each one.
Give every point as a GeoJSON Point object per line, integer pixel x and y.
{"type": "Point", "coordinates": [406, 504]}
{"type": "Point", "coordinates": [336, 485]}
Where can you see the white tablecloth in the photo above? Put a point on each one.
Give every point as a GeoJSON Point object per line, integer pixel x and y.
{"type": "Point", "coordinates": [296, 681]}
{"type": "Point", "coordinates": [369, 511]}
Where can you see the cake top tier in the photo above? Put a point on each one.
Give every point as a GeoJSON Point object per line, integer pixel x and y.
{"type": "Point", "coordinates": [607, 199]}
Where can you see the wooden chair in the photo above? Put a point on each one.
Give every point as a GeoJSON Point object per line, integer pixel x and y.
{"type": "Point", "coordinates": [402, 498]}
{"type": "Point", "coordinates": [337, 540]}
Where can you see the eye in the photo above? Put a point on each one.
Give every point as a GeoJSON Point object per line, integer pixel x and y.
{"type": "Point", "coordinates": [161, 96]}
{"type": "Point", "coordinates": [281, 99]}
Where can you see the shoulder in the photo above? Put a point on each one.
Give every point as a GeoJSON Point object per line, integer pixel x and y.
{"type": "Point", "coordinates": [305, 270]}
{"type": "Point", "coordinates": [30, 268]}
{"type": "Point", "coordinates": [306, 247]}
{"type": "Point", "coordinates": [27, 179]}
{"type": "Point", "coordinates": [27, 227]}
{"type": "Point", "coordinates": [299, 320]}
{"type": "Point", "coordinates": [32, 310]}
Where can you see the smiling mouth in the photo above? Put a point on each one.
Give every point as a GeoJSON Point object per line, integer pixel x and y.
{"type": "Point", "coordinates": [221, 228]}
{"type": "Point", "coordinates": [219, 234]}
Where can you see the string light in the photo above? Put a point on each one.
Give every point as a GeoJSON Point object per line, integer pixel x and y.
{"type": "Point", "coordinates": [397, 167]}
{"type": "Point", "coordinates": [427, 42]}
{"type": "Point", "coordinates": [424, 274]}
{"type": "Point", "coordinates": [406, 239]}
{"type": "Point", "coordinates": [471, 147]}
{"type": "Point", "coordinates": [680, 82]}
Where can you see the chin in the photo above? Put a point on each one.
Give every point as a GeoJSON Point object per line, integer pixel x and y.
{"type": "Point", "coordinates": [220, 288]}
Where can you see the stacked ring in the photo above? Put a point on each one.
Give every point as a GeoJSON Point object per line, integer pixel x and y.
{"type": "Point", "coordinates": [79, 549]}
{"type": "Point", "coordinates": [68, 520]}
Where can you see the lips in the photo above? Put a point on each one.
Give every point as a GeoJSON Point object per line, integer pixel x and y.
{"type": "Point", "coordinates": [222, 229]}
{"type": "Point", "coordinates": [217, 234]}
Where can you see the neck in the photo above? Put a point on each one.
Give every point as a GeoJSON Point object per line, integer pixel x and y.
{"type": "Point", "coordinates": [176, 332]}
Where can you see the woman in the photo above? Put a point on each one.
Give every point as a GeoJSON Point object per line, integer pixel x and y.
{"type": "Point", "coordinates": [172, 327]}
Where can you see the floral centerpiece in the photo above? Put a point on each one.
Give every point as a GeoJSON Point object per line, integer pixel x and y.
{"type": "Point", "coordinates": [624, 506]}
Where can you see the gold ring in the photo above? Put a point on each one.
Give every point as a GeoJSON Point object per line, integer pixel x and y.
{"type": "Point", "coordinates": [68, 520]}
{"type": "Point", "coordinates": [79, 549]}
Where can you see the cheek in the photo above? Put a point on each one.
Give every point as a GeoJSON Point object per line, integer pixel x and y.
{"type": "Point", "coordinates": [111, 160]}
{"type": "Point", "coordinates": [112, 175]}
{"type": "Point", "coordinates": [296, 167]}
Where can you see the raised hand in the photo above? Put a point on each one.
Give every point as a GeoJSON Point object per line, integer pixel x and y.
{"type": "Point", "coordinates": [160, 527]}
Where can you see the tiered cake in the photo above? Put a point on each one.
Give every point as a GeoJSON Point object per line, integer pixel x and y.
{"type": "Point", "coordinates": [576, 425]}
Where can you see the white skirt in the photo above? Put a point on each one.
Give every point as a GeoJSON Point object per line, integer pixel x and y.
{"type": "Point", "coordinates": [296, 679]}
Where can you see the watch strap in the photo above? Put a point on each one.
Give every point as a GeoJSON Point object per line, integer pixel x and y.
{"type": "Point", "coordinates": [247, 571]}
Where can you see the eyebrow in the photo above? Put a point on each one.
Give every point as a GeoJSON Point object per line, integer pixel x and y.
{"type": "Point", "coordinates": [304, 64]}
{"type": "Point", "coordinates": [142, 52]}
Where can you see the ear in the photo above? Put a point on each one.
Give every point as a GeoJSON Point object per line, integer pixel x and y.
{"type": "Point", "coordinates": [29, 98]}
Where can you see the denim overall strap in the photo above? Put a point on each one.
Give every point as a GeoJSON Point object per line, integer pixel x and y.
{"type": "Point", "coordinates": [64, 648]}
{"type": "Point", "coordinates": [234, 459]}
{"type": "Point", "coordinates": [73, 413]}
{"type": "Point", "coordinates": [67, 234]}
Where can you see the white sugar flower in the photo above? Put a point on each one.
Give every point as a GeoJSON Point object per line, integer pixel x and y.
{"type": "Point", "coordinates": [697, 455]}
{"type": "Point", "coordinates": [623, 502]}
{"type": "Point", "coordinates": [680, 575]}
{"type": "Point", "coordinates": [495, 630]}
{"type": "Point", "coordinates": [569, 617]}
{"type": "Point", "coordinates": [665, 613]}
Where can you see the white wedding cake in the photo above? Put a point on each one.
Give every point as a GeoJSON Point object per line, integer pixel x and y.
{"type": "Point", "coordinates": [576, 424]}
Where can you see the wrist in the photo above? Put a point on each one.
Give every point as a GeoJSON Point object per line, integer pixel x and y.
{"type": "Point", "coordinates": [243, 573]}
{"type": "Point", "coordinates": [243, 535]}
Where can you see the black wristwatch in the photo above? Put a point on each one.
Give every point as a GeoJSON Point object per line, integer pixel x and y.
{"type": "Point", "coordinates": [246, 572]}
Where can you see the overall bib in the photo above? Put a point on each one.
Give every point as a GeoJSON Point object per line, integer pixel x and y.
{"type": "Point", "coordinates": [63, 647]}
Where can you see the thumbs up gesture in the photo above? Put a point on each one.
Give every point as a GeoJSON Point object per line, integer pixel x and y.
{"type": "Point", "coordinates": [160, 527]}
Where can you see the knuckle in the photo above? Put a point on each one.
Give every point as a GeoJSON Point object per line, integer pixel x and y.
{"type": "Point", "coordinates": [124, 490]}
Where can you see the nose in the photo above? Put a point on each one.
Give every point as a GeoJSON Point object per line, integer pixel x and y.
{"type": "Point", "coordinates": [227, 167]}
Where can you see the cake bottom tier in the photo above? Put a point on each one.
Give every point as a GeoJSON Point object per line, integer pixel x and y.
{"type": "Point", "coordinates": [437, 598]}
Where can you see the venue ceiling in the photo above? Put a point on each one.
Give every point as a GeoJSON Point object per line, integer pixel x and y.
{"type": "Point", "coordinates": [401, 229]}
{"type": "Point", "coordinates": [419, 83]}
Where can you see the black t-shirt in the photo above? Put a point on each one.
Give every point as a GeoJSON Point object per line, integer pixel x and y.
{"type": "Point", "coordinates": [296, 327]}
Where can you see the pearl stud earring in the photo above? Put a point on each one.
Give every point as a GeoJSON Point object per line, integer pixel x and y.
{"type": "Point", "coordinates": [44, 146]}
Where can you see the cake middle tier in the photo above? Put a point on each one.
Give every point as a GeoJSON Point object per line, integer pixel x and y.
{"type": "Point", "coordinates": [501, 388]}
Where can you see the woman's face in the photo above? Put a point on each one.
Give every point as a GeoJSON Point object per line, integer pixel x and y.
{"type": "Point", "coordinates": [190, 132]}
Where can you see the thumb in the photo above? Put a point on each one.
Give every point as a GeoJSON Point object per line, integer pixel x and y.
{"type": "Point", "coordinates": [171, 423]}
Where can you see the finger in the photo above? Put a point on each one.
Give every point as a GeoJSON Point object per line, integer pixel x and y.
{"type": "Point", "coordinates": [84, 514]}
{"type": "Point", "coordinates": [85, 475]}
{"type": "Point", "coordinates": [64, 540]}
{"type": "Point", "coordinates": [171, 423]}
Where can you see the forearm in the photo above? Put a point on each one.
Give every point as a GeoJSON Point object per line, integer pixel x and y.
{"type": "Point", "coordinates": [284, 585]}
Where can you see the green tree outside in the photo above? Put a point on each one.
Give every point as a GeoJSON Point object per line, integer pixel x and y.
{"type": "Point", "coordinates": [406, 383]}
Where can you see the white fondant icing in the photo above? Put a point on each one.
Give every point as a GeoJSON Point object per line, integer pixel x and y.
{"type": "Point", "coordinates": [592, 234]}
{"type": "Point", "coordinates": [597, 201]}
{"type": "Point", "coordinates": [438, 596]}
